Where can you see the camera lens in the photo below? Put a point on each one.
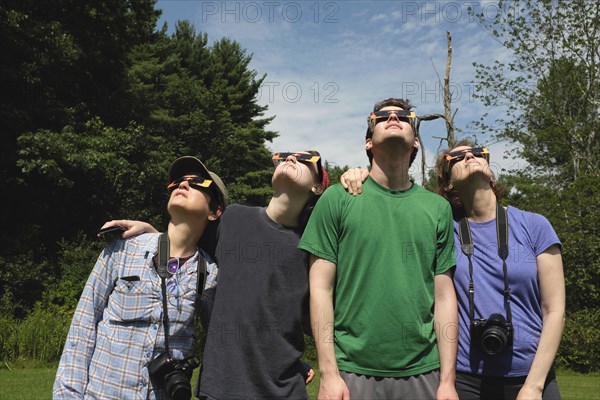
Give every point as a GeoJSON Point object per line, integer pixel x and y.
{"type": "Point", "coordinates": [493, 340]}
{"type": "Point", "coordinates": [177, 385]}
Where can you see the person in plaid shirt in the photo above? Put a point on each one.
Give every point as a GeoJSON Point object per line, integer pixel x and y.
{"type": "Point", "coordinates": [117, 329]}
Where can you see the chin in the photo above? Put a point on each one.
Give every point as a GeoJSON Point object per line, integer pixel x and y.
{"type": "Point", "coordinates": [285, 183]}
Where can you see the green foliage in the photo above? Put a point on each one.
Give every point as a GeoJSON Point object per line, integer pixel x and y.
{"type": "Point", "coordinates": [98, 104]}
{"type": "Point", "coordinates": [22, 280]}
{"type": "Point", "coordinates": [202, 101]}
{"type": "Point", "coordinates": [431, 180]}
{"type": "Point", "coordinates": [550, 88]}
{"type": "Point", "coordinates": [580, 346]}
{"type": "Point", "coordinates": [575, 215]}
{"type": "Point", "coordinates": [94, 173]}
{"type": "Point", "coordinates": [310, 352]}
{"type": "Point", "coordinates": [334, 172]}
{"type": "Point", "coordinates": [549, 91]}
{"type": "Point", "coordinates": [561, 119]}
{"type": "Point", "coordinates": [40, 337]}
{"type": "Point", "coordinates": [76, 260]}
{"type": "Point", "coordinates": [7, 334]}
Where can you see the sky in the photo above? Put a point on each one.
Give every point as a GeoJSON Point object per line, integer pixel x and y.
{"type": "Point", "coordinates": [328, 62]}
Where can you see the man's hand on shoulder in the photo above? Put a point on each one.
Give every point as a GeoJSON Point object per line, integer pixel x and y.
{"type": "Point", "coordinates": [353, 179]}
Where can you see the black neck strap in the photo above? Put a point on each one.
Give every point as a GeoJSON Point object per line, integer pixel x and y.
{"type": "Point", "coordinates": [161, 269]}
{"type": "Point", "coordinates": [466, 245]}
{"type": "Point", "coordinates": [163, 256]}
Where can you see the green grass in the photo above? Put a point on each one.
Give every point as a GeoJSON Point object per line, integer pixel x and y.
{"type": "Point", "coordinates": [575, 386]}
{"type": "Point", "coordinates": [26, 383]}
{"type": "Point", "coordinates": [36, 383]}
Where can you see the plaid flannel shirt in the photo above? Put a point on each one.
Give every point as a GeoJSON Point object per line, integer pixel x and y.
{"type": "Point", "coordinates": [117, 328]}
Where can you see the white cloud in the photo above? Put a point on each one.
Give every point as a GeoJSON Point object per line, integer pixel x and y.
{"type": "Point", "coordinates": [326, 69]}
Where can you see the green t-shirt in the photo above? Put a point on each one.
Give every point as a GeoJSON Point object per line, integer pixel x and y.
{"type": "Point", "coordinates": [388, 246]}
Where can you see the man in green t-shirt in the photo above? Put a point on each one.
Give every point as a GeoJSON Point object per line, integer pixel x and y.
{"type": "Point", "coordinates": [383, 307]}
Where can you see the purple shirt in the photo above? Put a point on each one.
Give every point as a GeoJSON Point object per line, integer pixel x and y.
{"type": "Point", "coordinates": [529, 235]}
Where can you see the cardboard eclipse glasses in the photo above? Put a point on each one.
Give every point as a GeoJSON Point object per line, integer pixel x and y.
{"type": "Point", "coordinates": [194, 182]}
{"type": "Point", "coordinates": [459, 155]}
{"type": "Point", "coordinates": [280, 157]}
{"type": "Point", "coordinates": [383, 115]}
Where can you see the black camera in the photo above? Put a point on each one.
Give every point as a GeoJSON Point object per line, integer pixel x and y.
{"type": "Point", "coordinates": [174, 374]}
{"type": "Point", "coordinates": [492, 335]}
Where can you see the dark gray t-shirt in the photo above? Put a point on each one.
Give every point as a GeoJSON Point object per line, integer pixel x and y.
{"type": "Point", "coordinates": [255, 336]}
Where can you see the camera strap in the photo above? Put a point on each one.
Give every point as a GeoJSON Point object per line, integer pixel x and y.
{"type": "Point", "coordinates": [163, 272]}
{"type": "Point", "coordinates": [466, 245]}
{"type": "Point", "coordinates": [163, 256]}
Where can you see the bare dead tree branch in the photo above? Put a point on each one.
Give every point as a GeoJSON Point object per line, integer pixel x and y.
{"type": "Point", "coordinates": [447, 116]}
{"type": "Point", "coordinates": [447, 96]}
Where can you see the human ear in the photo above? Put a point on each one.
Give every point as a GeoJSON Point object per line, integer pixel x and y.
{"type": "Point", "coordinates": [317, 189]}
{"type": "Point", "coordinates": [214, 215]}
{"type": "Point", "coordinates": [417, 144]}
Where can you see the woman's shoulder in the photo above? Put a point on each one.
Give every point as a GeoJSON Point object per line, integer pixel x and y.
{"type": "Point", "coordinates": [526, 217]}
{"type": "Point", "coordinates": [534, 226]}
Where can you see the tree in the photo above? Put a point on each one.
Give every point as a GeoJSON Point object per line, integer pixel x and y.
{"type": "Point", "coordinates": [62, 62]}
{"type": "Point", "coordinates": [550, 89]}
{"type": "Point", "coordinates": [98, 146]}
{"type": "Point", "coordinates": [562, 123]}
{"type": "Point", "coordinates": [549, 92]}
{"type": "Point", "coordinates": [334, 172]}
{"type": "Point", "coordinates": [202, 100]}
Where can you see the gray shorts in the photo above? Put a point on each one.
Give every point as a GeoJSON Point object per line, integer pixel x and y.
{"type": "Point", "coordinates": [364, 387]}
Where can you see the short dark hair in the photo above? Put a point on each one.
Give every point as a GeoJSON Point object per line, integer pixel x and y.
{"type": "Point", "coordinates": [443, 181]}
{"type": "Point", "coordinates": [403, 104]}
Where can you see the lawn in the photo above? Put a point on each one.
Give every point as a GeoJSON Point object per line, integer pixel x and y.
{"type": "Point", "coordinates": [36, 383]}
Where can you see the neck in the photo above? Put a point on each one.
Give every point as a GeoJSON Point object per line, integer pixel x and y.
{"type": "Point", "coordinates": [480, 203]}
{"type": "Point", "coordinates": [391, 171]}
{"type": "Point", "coordinates": [285, 209]}
{"type": "Point", "coordinates": [184, 237]}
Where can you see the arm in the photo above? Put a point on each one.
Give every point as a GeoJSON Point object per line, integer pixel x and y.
{"type": "Point", "coordinates": [552, 289]}
{"type": "Point", "coordinates": [133, 227]}
{"type": "Point", "coordinates": [72, 375]}
{"type": "Point", "coordinates": [353, 179]}
{"type": "Point", "coordinates": [445, 316]}
{"type": "Point", "coordinates": [322, 279]}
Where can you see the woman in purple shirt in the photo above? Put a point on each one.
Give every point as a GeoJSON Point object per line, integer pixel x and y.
{"type": "Point", "coordinates": [507, 338]}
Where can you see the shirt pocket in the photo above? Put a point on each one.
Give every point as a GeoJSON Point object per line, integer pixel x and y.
{"type": "Point", "coordinates": [132, 301]}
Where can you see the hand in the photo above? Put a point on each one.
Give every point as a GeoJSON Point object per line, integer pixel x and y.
{"type": "Point", "coordinates": [310, 374]}
{"type": "Point", "coordinates": [133, 227]}
{"type": "Point", "coordinates": [529, 392]}
{"type": "Point", "coordinates": [333, 388]}
{"type": "Point", "coordinates": [446, 391]}
{"type": "Point", "coordinates": [353, 179]}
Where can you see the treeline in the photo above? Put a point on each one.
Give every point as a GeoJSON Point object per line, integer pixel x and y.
{"type": "Point", "coordinates": [549, 91]}
{"type": "Point", "coordinates": [97, 101]}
